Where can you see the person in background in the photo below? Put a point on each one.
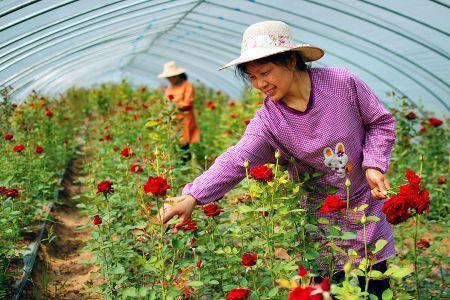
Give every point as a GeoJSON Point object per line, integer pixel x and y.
{"type": "Point", "coordinates": [181, 93]}
{"type": "Point", "coordinates": [321, 119]}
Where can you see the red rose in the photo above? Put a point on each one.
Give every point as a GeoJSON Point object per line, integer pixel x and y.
{"type": "Point", "coordinates": [231, 104]}
{"type": "Point", "coordinates": [304, 293]}
{"type": "Point", "coordinates": [8, 136]}
{"type": "Point", "coordinates": [212, 210]}
{"type": "Point", "coordinates": [48, 113]}
{"type": "Point", "coordinates": [171, 97]}
{"type": "Point", "coordinates": [192, 243]}
{"type": "Point", "coordinates": [396, 210]}
{"type": "Point", "coordinates": [441, 180]}
{"type": "Point", "coordinates": [239, 294]}
{"type": "Point", "coordinates": [435, 122]}
{"type": "Point", "coordinates": [262, 173]}
{"type": "Point", "coordinates": [199, 264]}
{"type": "Point", "coordinates": [210, 105]}
{"type": "Point", "coordinates": [331, 204]}
{"type": "Point", "coordinates": [126, 152]}
{"type": "Point", "coordinates": [105, 187]}
{"type": "Point", "coordinates": [65, 142]}
{"type": "Point", "coordinates": [423, 244]}
{"type": "Point", "coordinates": [315, 292]}
{"type": "Point", "coordinates": [190, 226]}
{"type": "Point", "coordinates": [246, 121]}
{"type": "Point", "coordinates": [233, 115]}
{"type": "Point", "coordinates": [128, 108]}
{"type": "Point", "coordinates": [18, 148]}
{"type": "Point", "coordinates": [11, 193]}
{"type": "Point", "coordinates": [97, 220]}
{"type": "Point", "coordinates": [413, 179]}
{"type": "Point", "coordinates": [120, 104]}
{"type": "Point", "coordinates": [136, 168]}
{"type": "Point", "coordinates": [38, 149]}
{"type": "Point", "coordinates": [157, 186]}
{"type": "Point", "coordinates": [302, 272]}
{"type": "Point", "coordinates": [423, 130]}
{"type": "Point", "coordinates": [411, 116]}
{"type": "Point", "coordinates": [249, 259]}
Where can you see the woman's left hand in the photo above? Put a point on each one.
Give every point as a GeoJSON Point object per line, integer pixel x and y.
{"type": "Point", "coordinates": [378, 183]}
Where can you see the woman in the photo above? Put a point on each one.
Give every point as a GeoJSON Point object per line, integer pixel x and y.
{"type": "Point", "coordinates": [327, 119]}
{"type": "Point", "coordinates": [181, 93]}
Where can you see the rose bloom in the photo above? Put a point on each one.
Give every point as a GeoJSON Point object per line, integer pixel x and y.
{"type": "Point", "coordinates": [435, 122]}
{"type": "Point", "coordinates": [302, 272]}
{"type": "Point", "coordinates": [231, 104]}
{"type": "Point", "coordinates": [105, 187]}
{"type": "Point", "coordinates": [8, 136]}
{"type": "Point", "coordinates": [249, 259]}
{"type": "Point", "coordinates": [126, 152]}
{"type": "Point", "coordinates": [262, 173]}
{"type": "Point", "coordinates": [315, 292]}
{"type": "Point", "coordinates": [18, 148]}
{"type": "Point", "coordinates": [136, 168]}
{"type": "Point", "coordinates": [38, 149]}
{"type": "Point", "coordinates": [212, 210]}
{"type": "Point", "coordinates": [396, 210]}
{"type": "Point", "coordinates": [233, 115]}
{"type": "Point", "coordinates": [97, 220]}
{"type": "Point", "coordinates": [441, 180]}
{"type": "Point", "coordinates": [171, 97]}
{"type": "Point", "coordinates": [199, 264]}
{"type": "Point", "coordinates": [423, 244]}
{"type": "Point", "coordinates": [239, 294]}
{"type": "Point", "coordinates": [11, 193]}
{"type": "Point", "coordinates": [157, 186]}
{"type": "Point", "coordinates": [48, 113]}
{"type": "Point", "coordinates": [191, 226]}
{"type": "Point", "coordinates": [331, 204]}
{"type": "Point", "coordinates": [246, 121]}
{"type": "Point", "coordinates": [411, 116]}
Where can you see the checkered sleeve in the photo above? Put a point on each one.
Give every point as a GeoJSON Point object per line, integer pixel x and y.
{"type": "Point", "coordinates": [379, 126]}
{"type": "Point", "coordinates": [228, 169]}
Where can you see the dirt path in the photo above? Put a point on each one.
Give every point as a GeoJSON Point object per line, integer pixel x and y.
{"type": "Point", "coordinates": [59, 272]}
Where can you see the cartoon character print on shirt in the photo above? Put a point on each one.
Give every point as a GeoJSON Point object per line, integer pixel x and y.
{"type": "Point", "coordinates": [337, 160]}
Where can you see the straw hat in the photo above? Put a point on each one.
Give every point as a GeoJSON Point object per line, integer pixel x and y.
{"type": "Point", "coordinates": [171, 69]}
{"type": "Point", "coordinates": [271, 37]}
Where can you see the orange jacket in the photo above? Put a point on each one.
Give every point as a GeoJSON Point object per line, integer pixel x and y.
{"type": "Point", "coordinates": [183, 97]}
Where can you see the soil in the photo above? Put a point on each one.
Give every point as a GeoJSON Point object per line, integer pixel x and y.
{"type": "Point", "coordinates": [61, 269]}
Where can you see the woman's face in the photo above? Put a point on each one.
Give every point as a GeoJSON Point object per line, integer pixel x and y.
{"type": "Point", "coordinates": [174, 80]}
{"type": "Point", "coordinates": [271, 79]}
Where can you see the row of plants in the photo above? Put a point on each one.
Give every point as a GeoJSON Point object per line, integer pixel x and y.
{"type": "Point", "coordinates": [37, 142]}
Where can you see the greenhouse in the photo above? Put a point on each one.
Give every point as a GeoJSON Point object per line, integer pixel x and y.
{"type": "Point", "coordinates": [240, 149]}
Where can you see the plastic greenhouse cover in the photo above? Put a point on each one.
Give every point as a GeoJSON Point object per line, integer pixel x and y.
{"type": "Point", "coordinates": [49, 46]}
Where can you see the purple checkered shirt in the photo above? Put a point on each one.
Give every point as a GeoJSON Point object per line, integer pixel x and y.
{"type": "Point", "coordinates": [344, 127]}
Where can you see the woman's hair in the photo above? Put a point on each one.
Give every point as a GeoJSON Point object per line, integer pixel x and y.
{"type": "Point", "coordinates": [183, 76]}
{"type": "Point", "coordinates": [281, 59]}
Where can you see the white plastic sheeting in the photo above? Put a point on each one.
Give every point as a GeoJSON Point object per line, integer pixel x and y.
{"type": "Point", "coordinates": [50, 45]}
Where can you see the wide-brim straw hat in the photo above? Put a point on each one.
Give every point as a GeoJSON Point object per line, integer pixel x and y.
{"type": "Point", "coordinates": [268, 38]}
{"type": "Point", "coordinates": [171, 69]}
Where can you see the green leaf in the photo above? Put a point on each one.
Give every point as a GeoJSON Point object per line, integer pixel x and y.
{"type": "Point", "coordinates": [372, 219]}
{"type": "Point", "coordinates": [387, 295]}
{"type": "Point", "coordinates": [332, 190]}
{"type": "Point", "coordinates": [311, 227]}
{"type": "Point", "coordinates": [349, 235]}
{"type": "Point", "coordinates": [374, 274]}
{"type": "Point", "coordinates": [119, 270]}
{"type": "Point", "coordinates": [379, 245]}
{"type": "Point", "coordinates": [323, 221]}
{"type": "Point", "coordinates": [129, 292]}
{"type": "Point", "coordinates": [194, 283]}
{"type": "Point", "coordinates": [214, 282]}
{"type": "Point", "coordinates": [273, 292]}
{"type": "Point", "coordinates": [398, 273]}
{"type": "Point", "coordinates": [362, 207]}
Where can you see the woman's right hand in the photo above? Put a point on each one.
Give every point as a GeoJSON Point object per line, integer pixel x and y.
{"type": "Point", "coordinates": [181, 206]}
